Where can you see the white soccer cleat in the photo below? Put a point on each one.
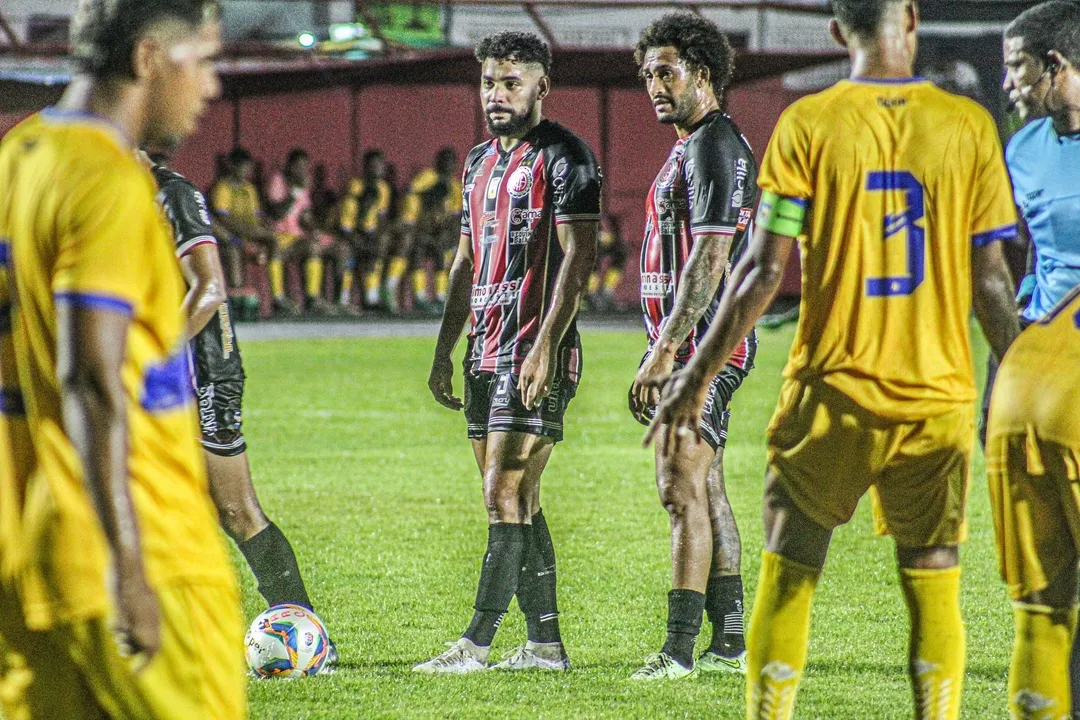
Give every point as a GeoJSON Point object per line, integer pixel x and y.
{"type": "Point", "coordinates": [460, 658]}
{"type": "Point", "coordinates": [527, 658]}
{"type": "Point", "coordinates": [712, 662]}
{"type": "Point", "coordinates": [662, 666]}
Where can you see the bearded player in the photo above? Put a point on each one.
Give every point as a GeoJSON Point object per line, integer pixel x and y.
{"type": "Point", "coordinates": [697, 217]}
{"type": "Point", "coordinates": [898, 196]}
{"type": "Point", "coordinates": [118, 566]}
{"type": "Point", "coordinates": [530, 218]}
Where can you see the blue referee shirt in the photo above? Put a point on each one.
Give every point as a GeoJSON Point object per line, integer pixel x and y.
{"type": "Point", "coordinates": [1045, 171]}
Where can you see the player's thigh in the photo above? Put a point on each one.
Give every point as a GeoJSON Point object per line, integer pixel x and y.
{"type": "Point", "coordinates": [1036, 509]}
{"type": "Point", "coordinates": [682, 476]}
{"type": "Point", "coordinates": [198, 671]}
{"type": "Point", "coordinates": [922, 490]}
{"type": "Point", "coordinates": [821, 451]}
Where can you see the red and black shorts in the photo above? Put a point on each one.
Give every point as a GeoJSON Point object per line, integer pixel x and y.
{"type": "Point", "coordinates": [715, 415]}
{"type": "Point", "coordinates": [493, 404]}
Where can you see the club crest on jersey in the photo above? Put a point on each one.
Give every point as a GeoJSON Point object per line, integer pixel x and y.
{"type": "Point", "coordinates": [741, 171]}
{"type": "Point", "coordinates": [520, 182]}
{"type": "Point", "coordinates": [667, 175]}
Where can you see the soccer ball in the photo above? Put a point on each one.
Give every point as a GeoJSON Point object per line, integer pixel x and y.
{"type": "Point", "coordinates": [286, 641]}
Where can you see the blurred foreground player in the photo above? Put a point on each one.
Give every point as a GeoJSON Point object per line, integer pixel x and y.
{"type": "Point", "coordinates": [898, 196]}
{"type": "Point", "coordinates": [219, 391]}
{"type": "Point", "coordinates": [129, 603]}
{"type": "Point", "coordinates": [531, 209]}
{"type": "Point", "coordinates": [697, 219]}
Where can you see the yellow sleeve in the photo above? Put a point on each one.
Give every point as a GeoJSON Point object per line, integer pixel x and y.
{"type": "Point", "coordinates": [420, 184]}
{"type": "Point", "coordinates": [221, 198]}
{"type": "Point", "coordinates": [785, 170]}
{"type": "Point", "coordinates": [994, 213]}
{"type": "Point", "coordinates": [100, 261]}
{"type": "Point", "coordinates": [453, 203]}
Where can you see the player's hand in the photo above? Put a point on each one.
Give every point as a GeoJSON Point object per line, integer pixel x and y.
{"type": "Point", "coordinates": [650, 380]}
{"type": "Point", "coordinates": [537, 375]}
{"type": "Point", "coordinates": [441, 383]}
{"type": "Point", "coordinates": [138, 619]}
{"type": "Point", "coordinates": [679, 412]}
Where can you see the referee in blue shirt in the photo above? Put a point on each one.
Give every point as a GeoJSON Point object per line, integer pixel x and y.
{"type": "Point", "coordinates": [1042, 77]}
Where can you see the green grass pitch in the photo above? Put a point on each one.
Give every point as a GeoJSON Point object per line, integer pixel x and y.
{"type": "Point", "coordinates": [376, 487]}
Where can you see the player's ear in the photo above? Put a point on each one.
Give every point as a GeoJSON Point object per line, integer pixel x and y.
{"type": "Point", "coordinates": [545, 87]}
{"type": "Point", "coordinates": [144, 58]}
{"type": "Point", "coordinates": [837, 33]}
{"type": "Point", "coordinates": [911, 13]}
{"type": "Point", "coordinates": [703, 76]}
{"type": "Point", "coordinates": [1055, 62]}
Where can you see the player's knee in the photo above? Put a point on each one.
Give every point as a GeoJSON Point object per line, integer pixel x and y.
{"type": "Point", "coordinates": [683, 499]}
{"type": "Point", "coordinates": [242, 520]}
{"type": "Point", "coordinates": [938, 557]}
{"type": "Point", "coordinates": [502, 500]}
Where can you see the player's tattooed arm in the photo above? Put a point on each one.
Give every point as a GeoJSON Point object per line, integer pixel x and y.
{"type": "Point", "coordinates": [697, 285]}
{"type": "Point", "coordinates": [578, 240]}
{"type": "Point", "coordinates": [455, 315]}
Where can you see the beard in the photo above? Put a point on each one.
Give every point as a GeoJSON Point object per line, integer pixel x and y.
{"type": "Point", "coordinates": [682, 108]}
{"type": "Point", "coordinates": [514, 125]}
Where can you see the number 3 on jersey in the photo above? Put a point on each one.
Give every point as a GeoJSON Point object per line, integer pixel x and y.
{"type": "Point", "coordinates": [895, 223]}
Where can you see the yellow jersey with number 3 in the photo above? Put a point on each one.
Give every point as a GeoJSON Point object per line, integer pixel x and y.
{"type": "Point", "coordinates": [899, 180]}
{"type": "Point", "coordinates": [80, 227]}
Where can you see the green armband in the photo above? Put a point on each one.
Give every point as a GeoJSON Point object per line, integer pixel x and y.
{"type": "Point", "coordinates": [781, 215]}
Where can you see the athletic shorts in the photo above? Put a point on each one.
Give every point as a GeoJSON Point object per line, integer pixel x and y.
{"type": "Point", "coordinates": [1035, 501]}
{"type": "Point", "coordinates": [827, 451]}
{"type": "Point", "coordinates": [74, 670]}
{"type": "Point", "coordinates": [493, 404]}
{"type": "Point", "coordinates": [220, 418]}
{"type": "Point", "coordinates": [715, 415]}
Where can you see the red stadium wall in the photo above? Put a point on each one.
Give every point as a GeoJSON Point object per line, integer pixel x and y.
{"type": "Point", "coordinates": [409, 123]}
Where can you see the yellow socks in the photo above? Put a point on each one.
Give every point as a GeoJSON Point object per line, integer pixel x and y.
{"type": "Point", "coordinates": [397, 269]}
{"type": "Point", "coordinates": [442, 284]}
{"type": "Point", "coordinates": [346, 286]}
{"type": "Point", "coordinates": [778, 635]}
{"type": "Point", "coordinates": [276, 271]}
{"type": "Point", "coordinates": [419, 281]}
{"type": "Point", "coordinates": [936, 650]}
{"type": "Point", "coordinates": [612, 278]}
{"type": "Point", "coordinates": [313, 270]}
{"type": "Point", "coordinates": [1039, 672]}
{"type": "Point", "coordinates": [372, 283]}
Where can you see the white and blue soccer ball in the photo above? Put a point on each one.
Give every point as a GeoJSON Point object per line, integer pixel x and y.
{"type": "Point", "coordinates": [286, 641]}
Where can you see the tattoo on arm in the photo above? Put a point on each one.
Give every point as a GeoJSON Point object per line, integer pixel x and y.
{"type": "Point", "coordinates": [697, 286]}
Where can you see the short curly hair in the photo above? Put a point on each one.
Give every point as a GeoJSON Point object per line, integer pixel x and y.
{"type": "Point", "coordinates": [699, 41]}
{"type": "Point", "coordinates": [516, 47]}
{"type": "Point", "coordinates": [104, 33]}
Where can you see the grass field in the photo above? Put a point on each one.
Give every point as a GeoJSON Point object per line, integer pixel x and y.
{"type": "Point", "coordinates": [376, 486]}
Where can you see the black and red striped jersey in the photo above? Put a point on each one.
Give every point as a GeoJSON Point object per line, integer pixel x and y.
{"type": "Point", "coordinates": [707, 186]}
{"type": "Point", "coordinates": [512, 203]}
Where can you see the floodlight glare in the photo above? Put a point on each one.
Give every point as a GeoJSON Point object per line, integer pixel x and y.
{"type": "Point", "coordinates": [306, 40]}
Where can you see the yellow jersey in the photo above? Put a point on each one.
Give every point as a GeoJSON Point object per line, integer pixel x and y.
{"type": "Point", "coordinates": [363, 208]}
{"type": "Point", "coordinates": [1038, 384]}
{"type": "Point", "coordinates": [233, 199]}
{"type": "Point", "coordinates": [899, 180]}
{"type": "Point", "coordinates": [431, 195]}
{"type": "Point", "coordinates": [80, 225]}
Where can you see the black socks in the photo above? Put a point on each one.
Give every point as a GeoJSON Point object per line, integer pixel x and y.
{"type": "Point", "coordinates": [684, 623]}
{"type": "Point", "coordinates": [273, 563]}
{"type": "Point", "coordinates": [536, 590]}
{"type": "Point", "coordinates": [724, 604]}
{"type": "Point", "coordinates": [498, 581]}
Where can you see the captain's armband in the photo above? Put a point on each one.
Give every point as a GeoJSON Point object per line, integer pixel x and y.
{"type": "Point", "coordinates": [781, 215]}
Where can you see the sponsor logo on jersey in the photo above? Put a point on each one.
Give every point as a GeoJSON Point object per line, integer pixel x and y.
{"type": "Point", "coordinates": [493, 186]}
{"type": "Point", "coordinates": [204, 213]}
{"type": "Point", "coordinates": [656, 284]}
{"type": "Point", "coordinates": [520, 182]}
{"type": "Point", "coordinates": [521, 237]}
{"type": "Point", "coordinates": [744, 218]}
{"type": "Point", "coordinates": [207, 418]}
{"type": "Point", "coordinates": [226, 331]}
{"type": "Point", "coordinates": [525, 215]}
{"type": "Point", "coordinates": [741, 171]}
{"type": "Point", "coordinates": [668, 204]}
{"type": "Point", "coordinates": [668, 227]}
{"type": "Point", "coordinates": [502, 293]}
{"type": "Point", "coordinates": [559, 175]}
{"type": "Point", "coordinates": [891, 103]}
